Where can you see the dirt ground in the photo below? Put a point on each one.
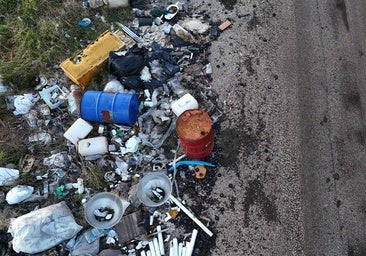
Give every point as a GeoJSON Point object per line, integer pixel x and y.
{"type": "Point", "coordinates": [251, 201]}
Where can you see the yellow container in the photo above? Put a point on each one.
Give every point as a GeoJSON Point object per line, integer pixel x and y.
{"type": "Point", "coordinates": [82, 67]}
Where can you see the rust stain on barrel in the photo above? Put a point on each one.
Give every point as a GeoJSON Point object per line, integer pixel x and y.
{"type": "Point", "coordinates": [193, 124]}
{"type": "Point", "coordinates": [106, 116]}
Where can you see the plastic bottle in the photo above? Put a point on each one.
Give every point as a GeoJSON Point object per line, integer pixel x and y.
{"type": "Point", "coordinates": [73, 100]}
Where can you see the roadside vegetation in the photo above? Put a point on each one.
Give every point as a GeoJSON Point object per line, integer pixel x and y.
{"type": "Point", "coordinates": [35, 37]}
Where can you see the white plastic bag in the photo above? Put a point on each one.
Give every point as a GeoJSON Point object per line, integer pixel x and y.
{"type": "Point", "coordinates": [18, 194]}
{"type": "Point", "coordinates": [42, 229]}
{"type": "Point", "coordinates": [22, 104]}
{"type": "Point", "coordinates": [8, 176]}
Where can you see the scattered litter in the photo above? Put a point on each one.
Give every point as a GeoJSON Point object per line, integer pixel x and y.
{"type": "Point", "coordinates": [8, 176]}
{"type": "Point", "coordinates": [129, 227]}
{"type": "Point", "coordinates": [110, 252]}
{"type": "Point", "coordinates": [199, 172]}
{"type": "Point", "coordinates": [114, 86]}
{"type": "Point", "coordinates": [53, 96]}
{"type": "Point", "coordinates": [78, 130]}
{"type": "Point", "coordinates": [43, 137]}
{"type": "Point", "coordinates": [18, 194]}
{"type": "Point", "coordinates": [155, 127]}
{"type": "Point", "coordinates": [128, 64]}
{"type": "Point", "coordinates": [81, 246]}
{"type": "Point", "coordinates": [107, 107]}
{"type": "Point", "coordinates": [23, 103]}
{"type": "Point", "coordinates": [82, 67]}
{"type": "Point", "coordinates": [104, 210]}
{"type": "Point", "coordinates": [131, 146]}
{"type": "Point", "coordinates": [123, 135]}
{"type": "Point", "coordinates": [107, 3]}
{"type": "Point", "coordinates": [129, 32]}
{"type": "Point", "coordinates": [59, 159]}
{"type": "Point", "coordinates": [73, 100]}
{"type": "Point", "coordinates": [187, 101]}
{"type": "Point", "coordinates": [191, 163]}
{"type": "Point", "coordinates": [196, 26]}
{"type": "Point", "coordinates": [4, 88]}
{"type": "Point", "coordinates": [93, 146]}
{"type": "Point", "coordinates": [42, 229]}
{"type": "Point", "coordinates": [225, 25]}
{"type": "Point", "coordinates": [172, 10]}
{"type": "Point", "coordinates": [84, 22]}
{"type": "Point", "coordinates": [183, 33]}
{"type": "Point", "coordinates": [191, 215]}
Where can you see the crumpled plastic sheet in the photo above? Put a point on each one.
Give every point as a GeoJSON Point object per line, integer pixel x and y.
{"type": "Point", "coordinates": [21, 104]}
{"type": "Point", "coordinates": [42, 229]}
{"type": "Point", "coordinates": [153, 136]}
{"type": "Point", "coordinates": [60, 159]}
{"type": "Point", "coordinates": [8, 176]}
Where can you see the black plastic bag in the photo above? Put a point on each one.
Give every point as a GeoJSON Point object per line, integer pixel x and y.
{"type": "Point", "coordinates": [125, 65]}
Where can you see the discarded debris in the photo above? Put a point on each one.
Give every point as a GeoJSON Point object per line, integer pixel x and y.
{"type": "Point", "coordinates": [18, 194]}
{"type": "Point", "coordinates": [42, 229]}
{"type": "Point", "coordinates": [225, 25]}
{"type": "Point", "coordinates": [125, 148]}
{"type": "Point", "coordinates": [8, 176]}
{"type": "Point", "coordinates": [82, 67]}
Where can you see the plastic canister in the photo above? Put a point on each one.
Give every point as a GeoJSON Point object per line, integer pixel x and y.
{"type": "Point", "coordinates": [93, 146]}
{"type": "Point", "coordinates": [187, 101]}
{"type": "Point", "coordinates": [78, 130]}
{"type": "Point", "coordinates": [194, 129]}
{"type": "Point", "coordinates": [109, 107]}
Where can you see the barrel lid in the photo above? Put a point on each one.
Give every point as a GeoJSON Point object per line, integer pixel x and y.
{"type": "Point", "coordinates": [193, 124]}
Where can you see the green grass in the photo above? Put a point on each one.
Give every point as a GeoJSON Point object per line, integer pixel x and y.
{"type": "Point", "coordinates": [95, 177]}
{"type": "Point", "coordinates": [9, 156]}
{"type": "Point", "coordinates": [36, 35]}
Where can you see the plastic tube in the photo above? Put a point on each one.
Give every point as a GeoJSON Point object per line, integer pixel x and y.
{"type": "Point", "coordinates": [160, 240]}
{"type": "Point", "coordinates": [156, 246]}
{"type": "Point", "coordinates": [190, 214]}
{"type": "Point", "coordinates": [191, 243]}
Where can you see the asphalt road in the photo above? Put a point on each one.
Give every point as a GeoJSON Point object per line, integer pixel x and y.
{"type": "Point", "coordinates": [290, 78]}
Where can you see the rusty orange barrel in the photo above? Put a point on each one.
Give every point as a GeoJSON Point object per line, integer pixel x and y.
{"type": "Point", "coordinates": [194, 129]}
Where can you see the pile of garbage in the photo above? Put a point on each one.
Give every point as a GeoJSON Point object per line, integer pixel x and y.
{"type": "Point", "coordinates": [148, 134]}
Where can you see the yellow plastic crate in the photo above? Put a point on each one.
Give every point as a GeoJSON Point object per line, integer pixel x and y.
{"type": "Point", "coordinates": [82, 67]}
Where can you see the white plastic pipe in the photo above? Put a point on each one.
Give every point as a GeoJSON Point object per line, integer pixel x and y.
{"type": "Point", "coordinates": [152, 249]}
{"type": "Point", "coordinates": [190, 214]}
{"type": "Point", "coordinates": [148, 253]}
{"type": "Point", "coordinates": [175, 246]}
{"type": "Point", "coordinates": [143, 253]}
{"type": "Point", "coordinates": [156, 246]}
{"type": "Point", "coordinates": [190, 246]}
{"type": "Point", "coordinates": [184, 249]}
{"type": "Point", "coordinates": [180, 249]}
{"type": "Point", "coordinates": [171, 249]}
{"type": "Point", "coordinates": [160, 240]}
